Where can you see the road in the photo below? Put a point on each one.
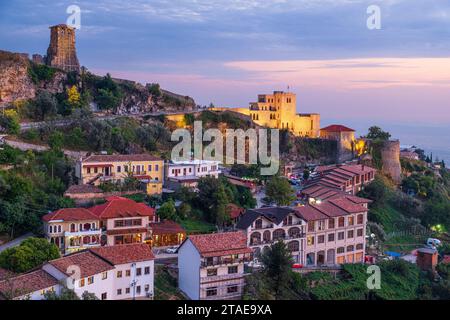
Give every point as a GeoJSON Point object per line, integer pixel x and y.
{"type": "Point", "coordinates": [24, 146]}
{"type": "Point", "coordinates": [15, 242]}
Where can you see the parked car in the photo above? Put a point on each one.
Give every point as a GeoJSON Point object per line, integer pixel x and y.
{"type": "Point", "coordinates": [172, 250]}
{"type": "Point", "coordinates": [254, 263]}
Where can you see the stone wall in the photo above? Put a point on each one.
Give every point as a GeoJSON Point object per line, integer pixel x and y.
{"type": "Point", "coordinates": [390, 157]}
{"type": "Point", "coordinates": [61, 52]}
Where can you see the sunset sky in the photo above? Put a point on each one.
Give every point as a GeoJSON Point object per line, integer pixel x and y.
{"type": "Point", "coordinates": [228, 51]}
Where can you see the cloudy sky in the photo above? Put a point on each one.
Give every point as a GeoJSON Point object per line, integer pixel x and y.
{"type": "Point", "coordinates": [228, 51]}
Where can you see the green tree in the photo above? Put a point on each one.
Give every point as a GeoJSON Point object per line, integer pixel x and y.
{"type": "Point", "coordinates": [45, 105]}
{"type": "Point", "coordinates": [168, 211]}
{"type": "Point", "coordinates": [31, 253]}
{"type": "Point", "coordinates": [376, 133]}
{"type": "Point", "coordinates": [279, 190]}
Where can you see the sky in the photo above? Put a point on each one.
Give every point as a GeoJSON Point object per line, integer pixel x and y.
{"type": "Point", "coordinates": [228, 51]}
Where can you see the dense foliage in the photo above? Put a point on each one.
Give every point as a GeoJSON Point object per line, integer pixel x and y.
{"type": "Point", "coordinates": [279, 191]}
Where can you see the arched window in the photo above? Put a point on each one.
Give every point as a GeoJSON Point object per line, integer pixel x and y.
{"type": "Point", "coordinates": [266, 236]}
{"type": "Point", "coordinates": [72, 227]}
{"type": "Point", "coordinates": [293, 246]}
{"type": "Point", "coordinates": [258, 224]}
{"type": "Point", "coordinates": [255, 238]}
{"type": "Point", "coordinates": [50, 229]}
{"type": "Point", "coordinates": [279, 234]}
{"type": "Point", "coordinates": [359, 246]}
{"type": "Point", "coordinates": [59, 228]}
{"type": "Point", "coordinates": [350, 248]}
{"type": "Point", "coordinates": [341, 222]}
{"type": "Point", "coordinates": [294, 232]}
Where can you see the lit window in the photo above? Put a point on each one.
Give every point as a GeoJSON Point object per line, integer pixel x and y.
{"type": "Point", "coordinates": [81, 282]}
{"type": "Point", "coordinates": [91, 280]}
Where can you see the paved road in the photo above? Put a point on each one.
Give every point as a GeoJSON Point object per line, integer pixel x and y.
{"type": "Point", "coordinates": [15, 242]}
{"type": "Point", "coordinates": [24, 146]}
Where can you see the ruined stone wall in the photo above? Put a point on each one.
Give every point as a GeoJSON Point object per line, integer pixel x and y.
{"type": "Point", "coordinates": [390, 157]}
{"type": "Point", "coordinates": [61, 52]}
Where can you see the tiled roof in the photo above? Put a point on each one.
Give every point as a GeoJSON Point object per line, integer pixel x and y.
{"type": "Point", "coordinates": [234, 210]}
{"type": "Point", "coordinates": [88, 263]}
{"type": "Point", "coordinates": [336, 128]}
{"type": "Point", "coordinates": [274, 214]}
{"type": "Point", "coordinates": [26, 283]}
{"type": "Point", "coordinates": [220, 244]}
{"type": "Point", "coordinates": [166, 227]}
{"type": "Point", "coordinates": [118, 207]}
{"type": "Point", "coordinates": [70, 214]}
{"type": "Point", "coordinates": [309, 213]}
{"type": "Point", "coordinates": [126, 253]}
{"type": "Point", "coordinates": [83, 188]}
{"type": "Point", "coordinates": [347, 205]}
{"type": "Point", "coordinates": [120, 158]}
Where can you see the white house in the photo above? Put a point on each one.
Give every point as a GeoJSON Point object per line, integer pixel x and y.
{"type": "Point", "coordinates": [211, 266]}
{"type": "Point", "coordinates": [110, 272]}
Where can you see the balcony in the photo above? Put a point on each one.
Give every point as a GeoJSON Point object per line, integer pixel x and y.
{"type": "Point", "coordinates": [89, 232]}
{"type": "Point", "coordinates": [224, 277]}
{"type": "Point", "coordinates": [225, 261]}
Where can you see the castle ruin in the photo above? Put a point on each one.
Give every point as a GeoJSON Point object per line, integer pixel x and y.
{"type": "Point", "coordinates": [61, 52]}
{"type": "Point", "coordinates": [390, 157]}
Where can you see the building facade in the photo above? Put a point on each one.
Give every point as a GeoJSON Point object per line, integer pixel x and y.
{"type": "Point", "coordinates": [278, 110]}
{"type": "Point", "coordinates": [187, 173]}
{"type": "Point", "coordinates": [345, 138]}
{"type": "Point", "coordinates": [211, 266]}
{"type": "Point", "coordinates": [110, 273]}
{"type": "Point", "coordinates": [96, 169]}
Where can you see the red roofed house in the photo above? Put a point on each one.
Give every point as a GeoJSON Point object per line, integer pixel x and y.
{"type": "Point", "coordinates": [235, 212]}
{"type": "Point", "coordinates": [118, 221]}
{"type": "Point", "coordinates": [211, 266]}
{"type": "Point", "coordinates": [110, 273]}
{"type": "Point", "coordinates": [345, 138]}
{"type": "Point", "coordinates": [166, 233]}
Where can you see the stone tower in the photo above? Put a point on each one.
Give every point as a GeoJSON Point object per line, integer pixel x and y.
{"type": "Point", "coordinates": [390, 157]}
{"type": "Point", "coordinates": [61, 52]}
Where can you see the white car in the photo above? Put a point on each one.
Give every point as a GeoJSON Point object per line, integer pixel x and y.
{"type": "Point", "coordinates": [254, 263]}
{"type": "Point", "coordinates": [172, 250]}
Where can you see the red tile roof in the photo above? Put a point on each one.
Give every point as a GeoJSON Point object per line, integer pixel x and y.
{"type": "Point", "coordinates": [347, 205]}
{"type": "Point", "coordinates": [166, 227]}
{"type": "Point", "coordinates": [70, 214]}
{"type": "Point", "coordinates": [26, 283]}
{"type": "Point", "coordinates": [126, 253]}
{"type": "Point", "coordinates": [234, 210]}
{"type": "Point", "coordinates": [309, 213]}
{"type": "Point", "coordinates": [220, 244]}
{"type": "Point", "coordinates": [120, 158]}
{"type": "Point", "coordinates": [89, 264]}
{"type": "Point", "coordinates": [336, 128]}
{"type": "Point", "coordinates": [446, 259]}
{"type": "Point", "coordinates": [118, 207]}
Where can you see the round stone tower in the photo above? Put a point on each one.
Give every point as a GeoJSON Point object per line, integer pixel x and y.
{"type": "Point", "coordinates": [390, 157]}
{"type": "Point", "coordinates": [61, 52]}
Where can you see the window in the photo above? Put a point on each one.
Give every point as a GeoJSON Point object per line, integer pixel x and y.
{"type": "Point", "coordinates": [350, 248]}
{"type": "Point", "coordinates": [351, 220]}
{"type": "Point", "coordinates": [119, 168]}
{"type": "Point", "coordinates": [104, 296]}
{"type": "Point", "coordinates": [211, 272]}
{"type": "Point", "coordinates": [258, 224]}
{"type": "Point", "coordinates": [147, 270]}
{"type": "Point", "coordinates": [138, 289]}
{"type": "Point", "coordinates": [341, 222]}
{"type": "Point", "coordinates": [119, 292]}
{"type": "Point", "coordinates": [147, 288]}
{"type": "Point", "coordinates": [150, 168]}
{"type": "Point", "coordinates": [127, 273]}
{"type": "Point", "coordinates": [310, 240]}
{"type": "Point", "coordinates": [127, 290]}
{"type": "Point", "coordinates": [311, 226]}
{"type": "Point", "coordinates": [50, 229]}
{"type": "Point", "coordinates": [119, 274]}
{"type": "Point", "coordinates": [95, 170]}
{"type": "Point", "coordinates": [233, 269]}
{"type": "Point", "coordinates": [88, 170]}
{"type": "Point", "coordinates": [341, 236]}
{"type": "Point", "coordinates": [211, 292]}
{"type": "Point", "coordinates": [350, 234]}
{"type": "Point", "coordinates": [156, 167]}
{"type": "Point", "coordinates": [232, 289]}
{"type": "Point", "coordinates": [359, 246]}
{"type": "Point", "coordinates": [321, 239]}
{"type": "Point", "coordinates": [359, 232]}
{"type": "Point", "coordinates": [360, 219]}
{"type": "Point", "coordinates": [340, 250]}
{"type": "Point", "coordinates": [330, 237]}
{"type": "Point", "coordinates": [138, 271]}
{"type": "Point", "coordinates": [321, 225]}
{"type": "Point", "coordinates": [91, 280]}
{"type": "Point", "coordinates": [82, 283]}
{"type": "Point", "coordinates": [125, 168]}
{"type": "Point", "coordinates": [330, 223]}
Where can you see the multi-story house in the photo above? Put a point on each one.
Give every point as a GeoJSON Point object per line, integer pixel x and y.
{"type": "Point", "coordinates": [111, 273]}
{"type": "Point", "coordinates": [187, 173]}
{"type": "Point", "coordinates": [72, 229]}
{"type": "Point", "coordinates": [96, 169]}
{"type": "Point", "coordinates": [211, 266]}
{"type": "Point", "coordinates": [349, 178]}
{"type": "Point", "coordinates": [336, 231]}
{"type": "Point", "coordinates": [264, 226]}
{"type": "Point", "coordinates": [117, 221]}
{"type": "Point", "coordinates": [327, 232]}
